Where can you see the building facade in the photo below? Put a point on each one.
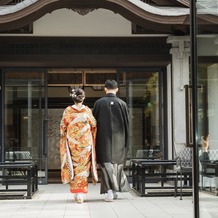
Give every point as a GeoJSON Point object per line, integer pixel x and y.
{"type": "Point", "coordinates": [48, 47]}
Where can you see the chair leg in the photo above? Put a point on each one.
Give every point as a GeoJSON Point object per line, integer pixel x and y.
{"type": "Point", "coordinates": [175, 184]}
{"type": "Point", "coordinates": [180, 184]}
{"type": "Point", "coordinates": [202, 182]}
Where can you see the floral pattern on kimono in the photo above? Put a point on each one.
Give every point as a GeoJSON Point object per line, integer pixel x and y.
{"type": "Point", "coordinates": [77, 148]}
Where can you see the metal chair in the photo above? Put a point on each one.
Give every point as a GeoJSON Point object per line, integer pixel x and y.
{"type": "Point", "coordinates": [183, 156]}
{"type": "Point", "coordinates": [207, 168]}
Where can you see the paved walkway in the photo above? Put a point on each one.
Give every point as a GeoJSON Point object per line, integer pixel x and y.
{"type": "Point", "coordinates": [54, 200]}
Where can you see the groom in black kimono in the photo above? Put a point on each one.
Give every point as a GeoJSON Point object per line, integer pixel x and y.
{"type": "Point", "coordinates": [111, 114]}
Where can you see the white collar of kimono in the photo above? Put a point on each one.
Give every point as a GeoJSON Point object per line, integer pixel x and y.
{"type": "Point", "coordinates": [78, 108]}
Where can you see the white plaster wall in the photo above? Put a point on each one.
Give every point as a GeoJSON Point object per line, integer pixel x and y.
{"type": "Point", "coordinates": [169, 111]}
{"type": "Point", "coordinates": [65, 22]}
{"type": "Point", "coordinates": [180, 77]}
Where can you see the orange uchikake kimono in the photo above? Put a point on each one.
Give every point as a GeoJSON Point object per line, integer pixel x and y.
{"type": "Point", "coordinates": [77, 148]}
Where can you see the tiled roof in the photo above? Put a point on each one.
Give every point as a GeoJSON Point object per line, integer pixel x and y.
{"type": "Point", "coordinates": [207, 7]}
{"type": "Point", "coordinates": [165, 11]}
{"type": "Point", "coordinates": [9, 9]}
{"type": "Point", "coordinates": [204, 6]}
{"type": "Point", "coordinates": [170, 15]}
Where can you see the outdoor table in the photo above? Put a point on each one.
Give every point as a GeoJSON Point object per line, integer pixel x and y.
{"type": "Point", "coordinates": [18, 173]}
{"type": "Point", "coordinates": [153, 171]}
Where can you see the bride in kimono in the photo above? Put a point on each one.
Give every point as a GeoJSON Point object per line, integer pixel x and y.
{"type": "Point", "coordinates": [77, 146]}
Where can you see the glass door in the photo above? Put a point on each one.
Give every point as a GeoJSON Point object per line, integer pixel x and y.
{"type": "Point", "coordinates": [143, 94]}
{"type": "Point", "coordinates": [25, 113]}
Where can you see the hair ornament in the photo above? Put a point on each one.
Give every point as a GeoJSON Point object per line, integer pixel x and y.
{"type": "Point", "coordinates": [73, 93]}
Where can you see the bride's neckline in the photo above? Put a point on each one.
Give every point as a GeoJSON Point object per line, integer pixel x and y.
{"type": "Point", "coordinates": [78, 107]}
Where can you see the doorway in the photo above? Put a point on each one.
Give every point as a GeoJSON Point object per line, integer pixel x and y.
{"type": "Point", "coordinates": [142, 89]}
{"type": "Point", "coordinates": [35, 100]}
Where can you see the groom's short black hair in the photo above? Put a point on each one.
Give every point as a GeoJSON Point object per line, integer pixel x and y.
{"type": "Point", "coordinates": [110, 84]}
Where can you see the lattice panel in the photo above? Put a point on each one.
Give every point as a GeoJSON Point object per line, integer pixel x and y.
{"type": "Point", "coordinates": [70, 77]}
{"type": "Point", "coordinates": [98, 78]}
